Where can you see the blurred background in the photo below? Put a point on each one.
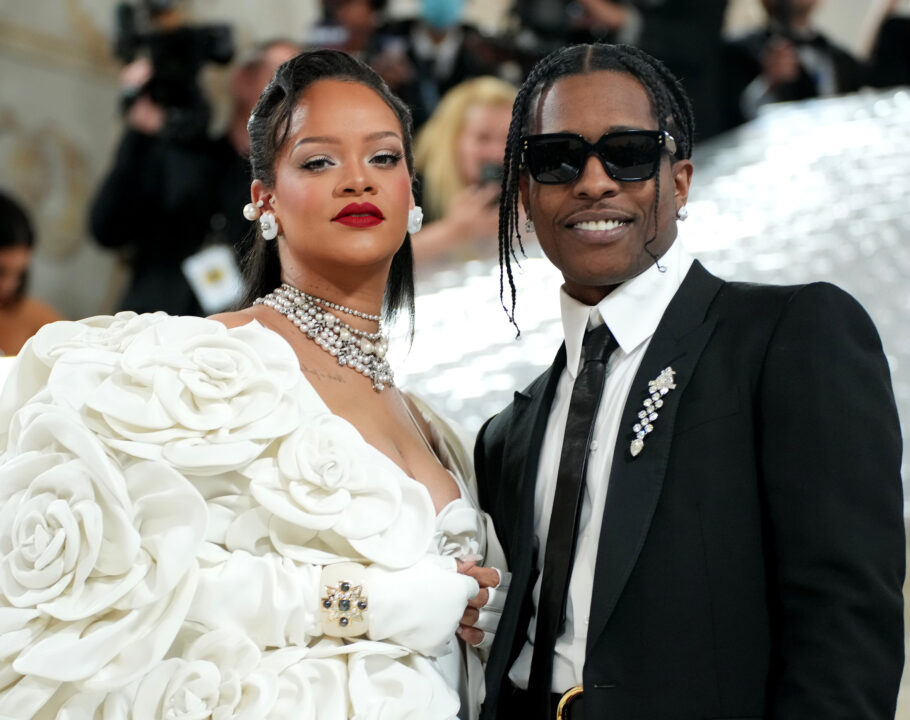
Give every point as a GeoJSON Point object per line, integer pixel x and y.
{"type": "Point", "coordinates": [61, 100]}
{"type": "Point", "coordinates": [123, 171]}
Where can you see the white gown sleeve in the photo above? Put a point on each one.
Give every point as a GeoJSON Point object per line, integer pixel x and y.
{"type": "Point", "coordinates": [275, 601]}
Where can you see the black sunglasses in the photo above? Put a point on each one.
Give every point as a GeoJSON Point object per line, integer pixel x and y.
{"type": "Point", "coordinates": [627, 155]}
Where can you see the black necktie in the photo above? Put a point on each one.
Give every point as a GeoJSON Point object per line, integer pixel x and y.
{"type": "Point", "coordinates": [570, 482]}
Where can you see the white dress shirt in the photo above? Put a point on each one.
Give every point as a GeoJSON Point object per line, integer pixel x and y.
{"type": "Point", "coordinates": [632, 312]}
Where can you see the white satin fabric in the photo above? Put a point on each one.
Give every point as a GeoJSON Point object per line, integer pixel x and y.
{"type": "Point", "coordinates": [169, 492]}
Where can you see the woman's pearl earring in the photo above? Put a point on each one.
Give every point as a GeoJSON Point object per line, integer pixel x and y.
{"type": "Point", "coordinates": [682, 213]}
{"type": "Point", "coordinates": [252, 212]}
{"type": "Point", "coordinates": [529, 225]}
{"type": "Point", "coordinates": [415, 219]}
{"type": "Point", "coordinates": [268, 224]}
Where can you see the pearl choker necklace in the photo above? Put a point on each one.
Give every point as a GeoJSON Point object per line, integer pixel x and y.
{"type": "Point", "coordinates": [361, 351]}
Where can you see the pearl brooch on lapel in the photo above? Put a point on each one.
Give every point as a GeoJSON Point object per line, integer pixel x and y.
{"type": "Point", "coordinates": [658, 387]}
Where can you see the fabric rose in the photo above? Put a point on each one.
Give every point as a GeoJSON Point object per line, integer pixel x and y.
{"type": "Point", "coordinates": [100, 560]}
{"type": "Point", "coordinates": [460, 531]}
{"type": "Point", "coordinates": [93, 345]}
{"type": "Point", "coordinates": [223, 675]}
{"type": "Point", "coordinates": [405, 688]}
{"type": "Point", "coordinates": [334, 496]}
{"type": "Point", "coordinates": [191, 392]}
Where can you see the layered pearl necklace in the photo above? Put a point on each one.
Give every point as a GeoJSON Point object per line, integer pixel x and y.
{"type": "Point", "coordinates": [359, 350]}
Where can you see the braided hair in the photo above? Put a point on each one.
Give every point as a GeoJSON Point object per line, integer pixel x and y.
{"type": "Point", "coordinates": [669, 103]}
{"type": "Point", "coordinates": [269, 127]}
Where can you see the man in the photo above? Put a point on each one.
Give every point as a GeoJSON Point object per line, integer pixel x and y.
{"type": "Point", "coordinates": [787, 59]}
{"type": "Point", "coordinates": [165, 197]}
{"type": "Point", "coordinates": [684, 34]}
{"type": "Point", "coordinates": [700, 501]}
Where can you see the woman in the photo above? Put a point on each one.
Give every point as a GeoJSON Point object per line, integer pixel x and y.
{"type": "Point", "coordinates": [458, 154]}
{"type": "Point", "coordinates": [193, 527]}
{"type": "Point", "coordinates": [20, 315]}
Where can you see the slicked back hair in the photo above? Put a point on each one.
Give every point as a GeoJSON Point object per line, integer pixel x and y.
{"type": "Point", "coordinates": [670, 105]}
{"type": "Point", "coordinates": [269, 128]}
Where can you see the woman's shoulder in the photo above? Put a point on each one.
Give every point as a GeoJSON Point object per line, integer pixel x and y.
{"type": "Point", "coordinates": [39, 313]}
{"type": "Point", "coordinates": [237, 318]}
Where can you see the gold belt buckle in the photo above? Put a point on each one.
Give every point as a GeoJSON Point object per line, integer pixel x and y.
{"type": "Point", "coordinates": [568, 697]}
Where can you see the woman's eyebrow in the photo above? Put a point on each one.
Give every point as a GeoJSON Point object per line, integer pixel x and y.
{"type": "Point", "coordinates": [337, 141]}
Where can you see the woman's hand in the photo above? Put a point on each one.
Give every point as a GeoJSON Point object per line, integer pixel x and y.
{"type": "Point", "coordinates": [474, 213]}
{"type": "Point", "coordinates": [472, 222]}
{"type": "Point", "coordinates": [481, 616]}
{"type": "Point", "coordinates": [418, 607]}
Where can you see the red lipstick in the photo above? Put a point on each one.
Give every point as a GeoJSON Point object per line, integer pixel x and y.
{"type": "Point", "coordinates": [359, 215]}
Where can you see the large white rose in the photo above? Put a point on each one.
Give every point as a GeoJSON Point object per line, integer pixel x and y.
{"type": "Point", "coordinates": [334, 496]}
{"type": "Point", "coordinates": [223, 676]}
{"type": "Point", "coordinates": [409, 687]}
{"type": "Point", "coordinates": [102, 559]}
{"type": "Point", "coordinates": [92, 345]}
{"type": "Point", "coordinates": [195, 394]}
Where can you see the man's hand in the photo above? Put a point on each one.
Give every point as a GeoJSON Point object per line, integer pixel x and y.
{"type": "Point", "coordinates": [481, 616]}
{"type": "Point", "coordinates": [780, 62]}
{"type": "Point", "coordinates": [143, 114]}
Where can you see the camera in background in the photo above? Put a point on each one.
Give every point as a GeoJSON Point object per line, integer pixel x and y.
{"type": "Point", "coordinates": [177, 52]}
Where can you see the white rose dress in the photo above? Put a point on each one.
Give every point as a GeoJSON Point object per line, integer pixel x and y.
{"type": "Point", "coordinates": [170, 490]}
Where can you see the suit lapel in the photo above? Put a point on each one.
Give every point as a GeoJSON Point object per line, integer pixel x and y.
{"type": "Point", "coordinates": [636, 482]}
{"type": "Point", "coordinates": [530, 411]}
{"type": "Point", "coordinates": [521, 458]}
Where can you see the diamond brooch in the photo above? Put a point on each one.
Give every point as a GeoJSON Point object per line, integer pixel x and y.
{"type": "Point", "coordinates": [658, 387]}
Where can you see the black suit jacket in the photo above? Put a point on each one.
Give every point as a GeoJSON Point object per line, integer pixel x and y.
{"type": "Point", "coordinates": [752, 555]}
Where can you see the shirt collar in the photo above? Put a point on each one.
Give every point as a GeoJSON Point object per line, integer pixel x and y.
{"type": "Point", "coordinates": [632, 311]}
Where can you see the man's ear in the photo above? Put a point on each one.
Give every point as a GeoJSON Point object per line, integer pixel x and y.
{"type": "Point", "coordinates": [524, 193]}
{"type": "Point", "coordinates": [682, 178]}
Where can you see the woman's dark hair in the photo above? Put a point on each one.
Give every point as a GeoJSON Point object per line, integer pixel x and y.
{"type": "Point", "coordinates": [669, 103]}
{"type": "Point", "coordinates": [269, 127]}
{"type": "Point", "coordinates": [15, 231]}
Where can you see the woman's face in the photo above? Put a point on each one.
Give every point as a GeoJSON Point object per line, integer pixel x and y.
{"type": "Point", "coordinates": [342, 187]}
{"type": "Point", "coordinates": [13, 266]}
{"type": "Point", "coordinates": [482, 140]}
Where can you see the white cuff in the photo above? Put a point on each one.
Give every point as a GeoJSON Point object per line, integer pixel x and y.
{"type": "Point", "coordinates": [419, 607]}
{"type": "Point", "coordinates": [487, 620]}
{"type": "Point", "coordinates": [484, 645]}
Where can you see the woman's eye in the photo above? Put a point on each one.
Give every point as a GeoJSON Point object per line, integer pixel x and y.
{"type": "Point", "coordinates": [316, 163]}
{"type": "Point", "coordinates": [386, 159]}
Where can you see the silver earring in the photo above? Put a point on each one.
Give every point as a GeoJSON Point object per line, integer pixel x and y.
{"type": "Point", "coordinates": [529, 225]}
{"type": "Point", "coordinates": [269, 225]}
{"type": "Point", "coordinates": [682, 213]}
{"type": "Point", "coordinates": [415, 219]}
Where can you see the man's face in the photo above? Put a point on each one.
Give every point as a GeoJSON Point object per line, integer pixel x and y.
{"type": "Point", "coordinates": [788, 9]}
{"type": "Point", "coordinates": [595, 229]}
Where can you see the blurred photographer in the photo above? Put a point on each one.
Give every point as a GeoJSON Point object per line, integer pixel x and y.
{"type": "Point", "coordinates": [172, 200]}
{"type": "Point", "coordinates": [684, 34]}
{"type": "Point", "coordinates": [458, 156]}
{"type": "Point", "coordinates": [787, 59]}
